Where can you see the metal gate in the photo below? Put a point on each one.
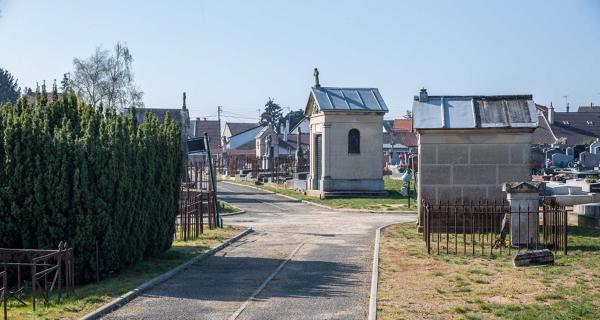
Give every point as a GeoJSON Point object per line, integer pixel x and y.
{"type": "Point", "coordinates": [318, 163]}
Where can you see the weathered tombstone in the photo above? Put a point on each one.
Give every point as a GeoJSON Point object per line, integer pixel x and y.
{"type": "Point", "coordinates": [589, 160]}
{"type": "Point", "coordinates": [533, 258]}
{"type": "Point", "coordinates": [561, 160]}
{"type": "Point", "coordinates": [524, 215]}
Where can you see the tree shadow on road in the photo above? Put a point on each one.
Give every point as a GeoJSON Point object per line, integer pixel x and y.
{"type": "Point", "coordinates": [223, 278]}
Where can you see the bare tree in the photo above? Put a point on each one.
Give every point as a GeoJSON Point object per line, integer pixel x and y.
{"type": "Point", "coordinates": [107, 79]}
{"type": "Point", "coordinates": [89, 76]}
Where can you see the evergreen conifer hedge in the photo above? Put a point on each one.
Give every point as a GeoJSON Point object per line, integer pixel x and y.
{"type": "Point", "coordinates": [69, 172]}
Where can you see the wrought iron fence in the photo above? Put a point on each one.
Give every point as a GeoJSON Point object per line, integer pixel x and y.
{"type": "Point", "coordinates": [484, 227]}
{"type": "Point", "coordinates": [196, 208]}
{"type": "Point", "coordinates": [48, 270]}
{"type": "Point", "coordinates": [3, 294]}
{"type": "Point", "coordinates": [277, 169]}
{"type": "Point", "coordinates": [198, 202]}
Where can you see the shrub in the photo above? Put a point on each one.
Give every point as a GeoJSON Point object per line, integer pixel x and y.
{"type": "Point", "coordinates": [69, 172]}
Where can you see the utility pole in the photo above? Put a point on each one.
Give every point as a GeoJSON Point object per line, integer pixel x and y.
{"type": "Point", "coordinates": [219, 111]}
{"type": "Point", "coordinates": [258, 115]}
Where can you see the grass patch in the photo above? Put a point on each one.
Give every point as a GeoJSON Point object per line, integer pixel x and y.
{"type": "Point", "coordinates": [393, 201]}
{"type": "Point", "coordinates": [89, 297]}
{"type": "Point", "coordinates": [414, 285]}
{"type": "Point", "coordinates": [227, 207]}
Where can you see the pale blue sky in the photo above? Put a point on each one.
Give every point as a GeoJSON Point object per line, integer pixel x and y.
{"type": "Point", "coordinates": [239, 53]}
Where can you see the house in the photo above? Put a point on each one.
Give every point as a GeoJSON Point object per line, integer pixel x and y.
{"type": "Point", "coordinates": [399, 141]}
{"type": "Point", "coordinates": [302, 126]}
{"type": "Point", "coordinates": [470, 145]}
{"type": "Point", "coordinates": [563, 136]}
{"type": "Point", "coordinates": [244, 141]}
{"type": "Point", "coordinates": [200, 126]}
{"type": "Point", "coordinates": [235, 128]}
{"type": "Point", "coordinates": [179, 116]}
{"type": "Point", "coordinates": [573, 128]}
{"type": "Point", "coordinates": [237, 135]}
{"type": "Point", "coordinates": [346, 140]}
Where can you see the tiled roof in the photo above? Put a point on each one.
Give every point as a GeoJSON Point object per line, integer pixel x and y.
{"type": "Point", "coordinates": [239, 127]}
{"type": "Point", "coordinates": [349, 99]}
{"type": "Point", "coordinates": [590, 108]}
{"type": "Point", "coordinates": [403, 125]}
{"type": "Point", "coordinates": [542, 135]}
{"type": "Point", "coordinates": [576, 127]}
{"type": "Point", "coordinates": [408, 139]}
{"type": "Point", "coordinates": [464, 112]}
{"type": "Point", "coordinates": [212, 128]}
{"type": "Point", "coordinates": [159, 113]}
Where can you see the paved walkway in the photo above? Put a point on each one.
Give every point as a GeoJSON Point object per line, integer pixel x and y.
{"type": "Point", "coordinates": [302, 262]}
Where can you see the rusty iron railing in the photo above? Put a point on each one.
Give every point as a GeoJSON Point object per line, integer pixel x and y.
{"type": "Point", "coordinates": [279, 169]}
{"type": "Point", "coordinates": [196, 209]}
{"type": "Point", "coordinates": [48, 270]}
{"type": "Point", "coordinates": [197, 203]}
{"type": "Point", "coordinates": [3, 294]}
{"type": "Point", "coordinates": [479, 228]}
{"type": "Point", "coordinates": [555, 225]}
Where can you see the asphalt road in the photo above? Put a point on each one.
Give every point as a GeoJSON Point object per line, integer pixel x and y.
{"type": "Point", "coordinates": [302, 262]}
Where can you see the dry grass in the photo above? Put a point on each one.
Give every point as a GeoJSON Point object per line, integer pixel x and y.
{"type": "Point", "coordinates": [414, 285]}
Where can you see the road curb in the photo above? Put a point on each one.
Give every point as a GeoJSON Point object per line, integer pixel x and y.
{"type": "Point", "coordinates": [122, 300]}
{"type": "Point", "coordinates": [375, 272]}
{"type": "Point", "coordinates": [233, 213]}
{"type": "Point", "coordinates": [317, 204]}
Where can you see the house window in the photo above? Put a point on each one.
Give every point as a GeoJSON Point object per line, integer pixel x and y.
{"type": "Point", "coordinates": [590, 122]}
{"type": "Point", "coordinates": [354, 141]}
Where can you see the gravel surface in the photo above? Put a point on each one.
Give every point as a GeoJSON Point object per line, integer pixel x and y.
{"type": "Point", "coordinates": [306, 262]}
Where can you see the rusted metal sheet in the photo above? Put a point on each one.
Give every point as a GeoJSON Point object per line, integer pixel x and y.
{"type": "Point", "coordinates": [465, 112]}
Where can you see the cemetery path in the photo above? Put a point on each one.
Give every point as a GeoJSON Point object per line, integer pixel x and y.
{"type": "Point", "coordinates": [302, 262]}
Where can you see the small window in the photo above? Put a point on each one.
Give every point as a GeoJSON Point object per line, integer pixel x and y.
{"type": "Point", "coordinates": [590, 122]}
{"type": "Point", "coordinates": [566, 122]}
{"type": "Point", "coordinates": [354, 141]}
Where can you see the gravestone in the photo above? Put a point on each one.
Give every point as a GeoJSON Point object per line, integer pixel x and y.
{"type": "Point", "coordinates": [524, 214]}
{"type": "Point", "coordinates": [589, 160]}
{"type": "Point", "coordinates": [561, 160]}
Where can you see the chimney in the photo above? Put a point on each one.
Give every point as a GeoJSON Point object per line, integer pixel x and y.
{"type": "Point", "coordinates": [551, 114]}
{"type": "Point", "coordinates": [316, 74]}
{"type": "Point", "coordinates": [567, 107]}
{"type": "Point", "coordinates": [423, 97]}
{"type": "Point", "coordinates": [184, 97]}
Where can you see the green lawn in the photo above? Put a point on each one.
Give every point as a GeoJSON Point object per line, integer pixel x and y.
{"type": "Point", "coordinates": [393, 201]}
{"type": "Point", "coordinates": [414, 285]}
{"type": "Point", "coordinates": [227, 207]}
{"type": "Point", "coordinates": [90, 297]}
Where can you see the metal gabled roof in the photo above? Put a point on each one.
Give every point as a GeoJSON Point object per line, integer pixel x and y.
{"type": "Point", "coordinates": [349, 99]}
{"type": "Point", "coordinates": [464, 112]}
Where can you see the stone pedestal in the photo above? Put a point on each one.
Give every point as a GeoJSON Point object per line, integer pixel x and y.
{"type": "Point", "coordinates": [524, 214]}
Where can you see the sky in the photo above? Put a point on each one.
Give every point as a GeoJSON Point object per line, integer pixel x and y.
{"type": "Point", "coordinates": [237, 54]}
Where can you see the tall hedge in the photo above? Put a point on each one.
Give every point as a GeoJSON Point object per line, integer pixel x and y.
{"type": "Point", "coordinates": [70, 172]}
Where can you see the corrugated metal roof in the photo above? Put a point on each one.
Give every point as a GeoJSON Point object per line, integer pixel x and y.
{"type": "Point", "coordinates": [463, 112]}
{"type": "Point", "coordinates": [349, 99]}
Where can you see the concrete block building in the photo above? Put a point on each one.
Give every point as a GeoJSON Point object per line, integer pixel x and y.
{"type": "Point", "coordinates": [470, 145]}
{"type": "Point", "coordinates": [346, 138]}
